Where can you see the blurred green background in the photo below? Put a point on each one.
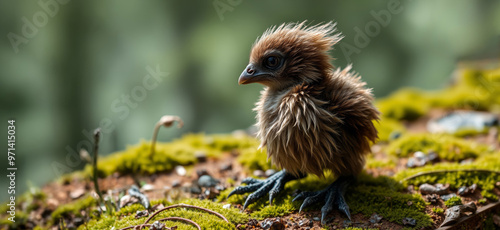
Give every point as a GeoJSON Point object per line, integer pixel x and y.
{"type": "Point", "coordinates": [68, 67]}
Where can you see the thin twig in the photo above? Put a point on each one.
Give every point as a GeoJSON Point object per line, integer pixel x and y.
{"type": "Point", "coordinates": [184, 206]}
{"type": "Point", "coordinates": [97, 135]}
{"type": "Point", "coordinates": [448, 171]}
{"type": "Point", "coordinates": [182, 219]}
{"type": "Point", "coordinates": [166, 219]}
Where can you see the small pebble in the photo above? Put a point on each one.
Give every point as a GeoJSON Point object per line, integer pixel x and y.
{"type": "Point", "coordinates": [459, 120]}
{"type": "Point", "coordinates": [473, 188]}
{"type": "Point", "coordinates": [431, 156]}
{"type": "Point", "coordinates": [195, 190]}
{"type": "Point", "coordinates": [157, 225]}
{"type": "Point", "coordinates": [409, 221]}
{"type": "Point", "coordinates": [210, 194]}
{"type": "Point", "coordinates": [226, 167]}
{"type": "Point", "coordinates": [180, 170]}
{"type": "Point", "coordinates": [259, 173]}
{"type": "Point", "coordinates": [226, 206]}
{"type": "Point", "coordinates": [77, 193]}
{"type": "Point", "coordinates": [467, 161]}
{"type": "Point", "coordinates": [272, 223]}
{"type": "Point", "coordinates": [420, 155]}
{"type": "Point", "coordinates": [463, 191]}
{"type": "Point", "coordinates": [207, 181]}
{"type": "Point", "coordinates": [449, 196]}
{"type": "Point", "coordinates": [176, 184]}
{"type": "Point", "coordinates": [415, 162]}
{"type": "Point", "coordinates": [127, 200]}
{"type": "Point", "coordinates": [270, 172]}
{"type": "Point", "coordinates": [305, 222]}
{"type": "Point", "coordinates": [140, 214]}
{"type": "Point", "coordinates": [148, 187]}
{"type": "Point", "coordinates": [253, 222]}
{"type": "Point", "coordinates": [375, 218]}
{"type": "Point", "coordinates": [220, 187]}
{"type": "Point", "coordinates": [78, 221]}
{"type": "Point", "coordinates": [432, 198]}
{"type": "Point", "coordinates": [316, 218]}
{"type": "Point", "coordinates": [454, 213]}
{"type": "Point", "coordinates": [431, 189]}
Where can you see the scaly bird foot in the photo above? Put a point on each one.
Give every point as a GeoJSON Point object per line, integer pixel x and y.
{"type": "Point", "coordinates": [331, 195]}
{"type": "Point", "coordinates": [272, 186]}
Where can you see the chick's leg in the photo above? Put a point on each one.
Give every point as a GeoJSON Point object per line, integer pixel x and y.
{"type": "Point", "coordinates": [333, 196]}
{"type": "Point", "coordinates": [272, 186]}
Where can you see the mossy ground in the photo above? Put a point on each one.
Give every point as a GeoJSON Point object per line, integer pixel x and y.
{"type": "Point", "coordinates": [126, 216]}
{"type": "Point", "coordinates": [445, 146]}
{"type": "Point", "coordinates": [385, 195]}
{"type": "Point", "coordinates": [135, 159]}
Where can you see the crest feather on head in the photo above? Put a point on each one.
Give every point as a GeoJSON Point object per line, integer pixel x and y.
{"type": "Point", "coordinates": [287, 36]}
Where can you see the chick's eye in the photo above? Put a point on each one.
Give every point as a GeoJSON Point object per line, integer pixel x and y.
{"type": "Point", "coordinates": [272, 62]}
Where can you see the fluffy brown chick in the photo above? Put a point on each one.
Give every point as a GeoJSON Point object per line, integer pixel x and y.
{"type": "Point", "coordinates": [311, 116]}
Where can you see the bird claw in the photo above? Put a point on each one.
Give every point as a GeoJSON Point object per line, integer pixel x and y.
{"type": "Point", "coordinates": [272, 186]}
{"type": "Point", "coordinates": [334, 195]}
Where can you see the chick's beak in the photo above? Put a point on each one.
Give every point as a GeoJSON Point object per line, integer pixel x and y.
{"type": "Point", "coordinates": [251, 74]}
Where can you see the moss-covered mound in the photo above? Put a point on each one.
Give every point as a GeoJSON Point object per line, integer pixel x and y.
{"type": "Point", "coordinates": [126, 216]}
{"type": "Point", "coordinates": [135, 159]}
{"type": "Point", "coordinates": [473, 90]}
{"type": "Point", "coordinates": [445, 146]}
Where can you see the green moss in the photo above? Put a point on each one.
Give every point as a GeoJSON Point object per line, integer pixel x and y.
{"type": "Point", "coordinates": [469, 132]}
{"type": "Point", "coordinates": [72, 208]}
{"type": "Point", "coordinates": [19, 221]}
{"type": "Point", "coordinates": [168, 155]}
{"type": "Point", "coordinates": [282, 205]}
{"type": "Point", "coordinates": [25, 203]}
{"type": "Point", "coordinates": [126, 216]}
{"type": "Point", "coordinates": [453, 201]}
{"type": "Point", "coordinates": [489, 195]}
{"type": "Point", "coordinates": [474, 89]}
{"type": "Point", "coordinates": [254, 158]}
{"type": "Point", "coordinates": [39, 228]}
{"type": "Point", "coordinates": [454, 174]}
{"type": "Point", "coordinates": [482, 201]}
{"type": "Point", "coordinates": [445, 146]}
{"type": "Point", "coordinates": [389, 162]}
{"type": "Point", "coordinates": [404, 104]}
{"type": "Point", "coordinates": [437, 210]}
{"type": "Point", "coordinates": [392, 205]}
{"type": "Point", "coordinates": [367, 196]}
{"type": "Point", "coordinates": [387, 127]}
